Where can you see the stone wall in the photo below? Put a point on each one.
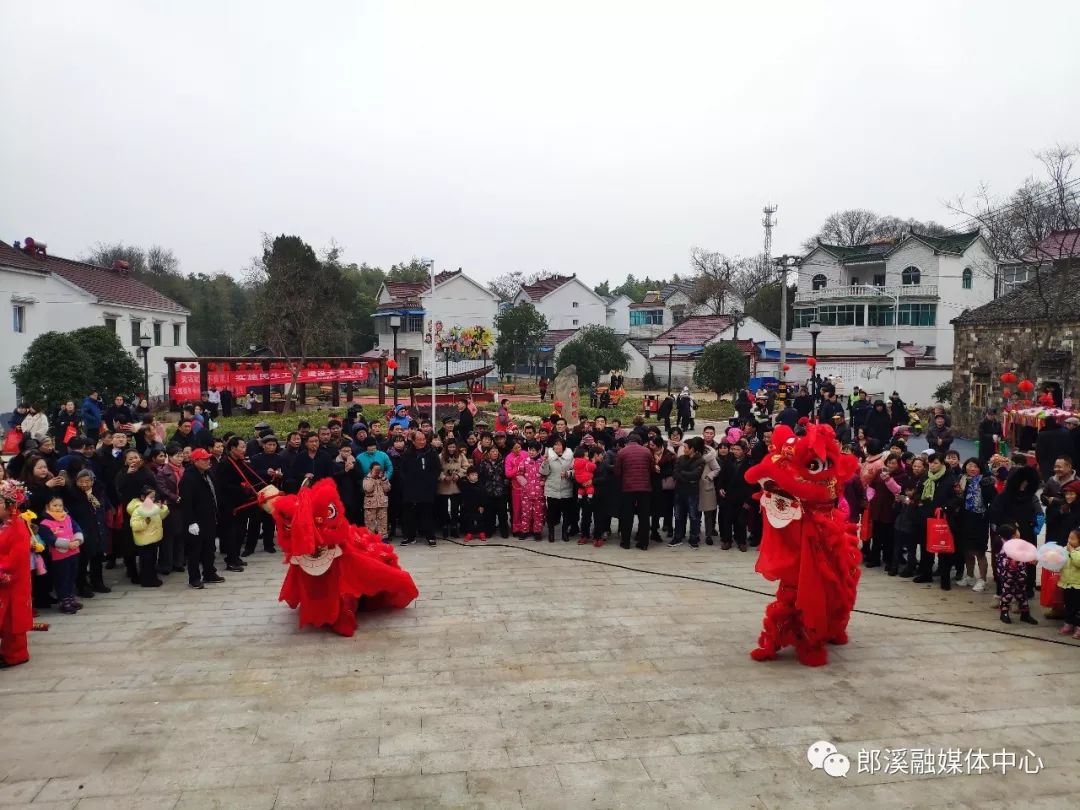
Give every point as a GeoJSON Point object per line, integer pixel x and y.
{"type": "Point", "coordinates": [983, 353]}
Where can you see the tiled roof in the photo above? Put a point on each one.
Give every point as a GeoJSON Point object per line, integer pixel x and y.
{"type": "Point", "coordinates": [556, 336]}
{"type": "Point", "coordinates": [545, 286]}
{"type": "Point", "coordinates": [1058, 245]}
{"type": "Point", "coordinates": [106, 285]}
{"type": "Point", "coordinates": [1054, 295]}
{"type": "Point", "coordinates": [669, 290]}
{"type": "Point", "coordinates": [409, 290]}
{"type": "Point", "coordinates": [695, 330]}
{"type": "Point", "coordinates": [10, 257]}
{"type": "Point", "coordinates": [852, 254]}
{"type": "Point", "coordinates": [642, 346]}
{"type": "Point", "coordinates": [950, 243]}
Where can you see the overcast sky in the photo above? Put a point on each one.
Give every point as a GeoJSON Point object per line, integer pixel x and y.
{"type": "Point", "coordinates": [588, 137]}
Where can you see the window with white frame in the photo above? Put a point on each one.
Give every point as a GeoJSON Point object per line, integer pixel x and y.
{"type": "Point", "coordinates": [136, 332]}
{"type": "Point", "coordinates": [911, 276]}
{"type": "Point", "coordinates": [157, 333]}
{"type": "Point", "coordinates": [966, 278]}
{"type": "Point", "coordinates": [110, 324]}
{"type": "Point", "coordinates": [18, 318]}
{"type": "Point", "coordinates": [177, 334]}
{"type": "Point", "coordinates": [818, 282]}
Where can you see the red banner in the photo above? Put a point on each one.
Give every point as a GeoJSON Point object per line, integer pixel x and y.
{"type": "Point", "coordinates": [239, 380]}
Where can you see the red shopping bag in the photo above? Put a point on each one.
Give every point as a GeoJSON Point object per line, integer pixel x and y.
{"type": "Point", "coordinates": [939, 539]}
{"type": "Point", "coordinates": [866, 526]}
{"type": "Point", "coordinates": [12, 441]}
{"type": "Point", "coordinates": [70, 433]}
{"type": "Point", "coordinates": [1050, 595]}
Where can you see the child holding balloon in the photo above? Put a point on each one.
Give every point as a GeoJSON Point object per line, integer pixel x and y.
{"type": "Point", "coordinates": [1070, 586]}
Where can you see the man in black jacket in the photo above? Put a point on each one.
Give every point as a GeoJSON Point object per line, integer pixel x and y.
{"type": "Point", "coordinates": [1053, 442]}
{"type": "Point", "coordinates": [237, 490]}
{"type": "Point", "coordinates": [311, 464]}
{"type": "Point", "coordinates": [417, 473]}
{"type": "Point", "coordinates": [118, 414]}
{"type": "Point", "coordinates": [269, 465]}
{"type": "Point", "coordinates": [198, 512]}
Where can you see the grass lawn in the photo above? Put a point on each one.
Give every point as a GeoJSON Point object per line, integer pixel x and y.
{"type": "Point", "coordinates": [625, 411]}
{"type": "Point", "coordinates": [283, 424]}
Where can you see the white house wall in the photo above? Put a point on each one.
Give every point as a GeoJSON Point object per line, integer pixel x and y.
{"type": "Point", "coordinates": [573, 306]}
{"type": "Point", "coordinates": [61, 307]}
{"type": "Point", "coordinates": [618, 315]}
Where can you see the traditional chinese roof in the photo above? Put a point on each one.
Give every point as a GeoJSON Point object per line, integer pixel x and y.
{"type": "Point", "coordinates": [404, 291]}
{"type": "Point", "coordinates": [545, 286]}
{"type": "Point", "coordinates": [695, 330]}
{"type": "Point", "coordinates": [955, 243]}
{"type": "Point", "coordinates": [107, 285]}
{"type": "Point", "coordinates": [1054, 295]}
{"type": "Point", "coordinates": [854, 254]}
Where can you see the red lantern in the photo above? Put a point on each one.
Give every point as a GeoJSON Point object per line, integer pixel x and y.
{"type": "Point", "coordinates": [1027, 386]}
{"type": "Point", "coordinates": [326, 366]}
{"type": "Point", "coordinates": [1008, 378]}
{"type": "Point", "coordinates": [391, 364]}
{"type": "Point", "coordinates": [811, 361]}
{"type": "Point", "coordinates": [1006, 393]}
{"type": "Point", "coordinates": [787, 367]}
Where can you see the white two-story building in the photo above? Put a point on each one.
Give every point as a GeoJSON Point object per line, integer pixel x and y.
{"type": "Point", "coordinates": [566, 302]}
{"type": "Point", "coordinates": [892, 300]}
{"type": "Point", "coordinates": [46, 293]}
{"type": "Point", "coordinates": [458, 301]}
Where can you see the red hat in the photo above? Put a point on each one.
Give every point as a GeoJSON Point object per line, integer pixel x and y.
{"type": "Point", "coordinates": [200, 455]}
{"type": "Point", "coordinates": [558, 404]}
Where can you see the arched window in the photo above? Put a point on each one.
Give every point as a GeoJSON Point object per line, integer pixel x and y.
{"type": "Point", "coordinates": [910, 276]}
{"type": "Point", "coordinates": [966, 278]}
{"type": "Point", "coordinates": [818, 282]}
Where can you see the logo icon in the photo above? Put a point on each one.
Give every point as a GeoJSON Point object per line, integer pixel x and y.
{"type": "Point", "coordinates": [824, 756]}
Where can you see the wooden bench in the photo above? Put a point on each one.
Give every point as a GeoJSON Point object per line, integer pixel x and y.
{"type": "Point", "coordinates": [507, 388]}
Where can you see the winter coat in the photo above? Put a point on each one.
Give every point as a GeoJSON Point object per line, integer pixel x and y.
{"type": "Point", "coordinates": [198, 502]}
{"type": "Point", "coordinates": [664, 412]}
{"type": "Point", "coordinates": [1070, 574]}
{"type": "Point", "coordinates": [707, 484]}
{"type": "Point", "coordinates": [878, 425]}
{"type": "Point", "coordinates": [633, 468]}
{"type": "Point", "coordinates": [558, 472]}
{"type": "Point", "coordinates": [860, 412]}
{"type": "Point", "coordinates": [688, 472]}
{"type": "Point", "coordinates": [35, 426]}
{"type": "Point", "coordinates": [514, 466]}
{"type": "Point", "coordinates": [973, 527]}
{"type": "Point", "coordinates": [117, 415]}
{"type": "Point", "coordinates": [826, 410]}
{"type": "Point", "coordinates": [376, 492]}
{"type": "Point", "coordinates": [91, 416]}
{"type": "Point", "coordinates": [453, 469]}
{"type": "Point", "coordinates": [1049, 445]}
{"type": "Point", "coordinates": [493, 478]}
{"type": "Point", "coordinates": [788, 416]}
{"type": "Point", "coordinates": [1018, 507]}
{"type": "Point", "coordinates": [472, 496]}
{"type": "Point", "coordinates": [939, 439]}
{"type": "Point", "coordinates": [988, 429]}
{"type": "Point", "coordinates": [1060, 520]}
{"type": "Point", "coordinates": [882, 505]}
{"type": "Point", "coordinates": [666, 463]}
{"type": "Point", "coordinates": [418, 473]}
{"type": "Point", "coordinates": [322, 466]}
{"type": "Point", "coordinates": [350, 485]}
{"type": "Point", "coordinates": [147, 525]}
{"type": "Point", "coordinates": [60, 427]}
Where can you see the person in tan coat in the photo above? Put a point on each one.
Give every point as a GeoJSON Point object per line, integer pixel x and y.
{"type": "Point", "coordinates": [376, 499]}
{"type": "Point", "coordinates": [707, 493]}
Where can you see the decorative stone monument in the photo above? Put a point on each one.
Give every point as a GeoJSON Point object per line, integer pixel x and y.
{"type": "Point", "coordinates": [565, 388]}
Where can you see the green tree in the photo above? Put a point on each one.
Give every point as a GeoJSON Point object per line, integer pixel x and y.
{"type": "Point", "coordinates": [519, 331]}
{"type": "Point", "coordinates": [298, 311]}
{"type": "Point", "coordinates": [943, 393]}
{"type": "Point", "coordinates": [54, 369]}
{"type": "Point", "coordinates": [413, 270]}
{"type": "Point", "coordinates": [112, 369]}
{"type": "Point", "coordinates": [603, 290]}
{"type": "Point", "coordinates": [722, 368]}
{"type": "Point", "coordinates": [765, 307]}
{"type": "Point", "coordinates": [360, 292]}
{"type": "Point", "coordinates": [594, 351]}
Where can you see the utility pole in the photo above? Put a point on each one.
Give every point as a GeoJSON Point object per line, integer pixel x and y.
{"type": "Point", "coordinates": [767, 222]}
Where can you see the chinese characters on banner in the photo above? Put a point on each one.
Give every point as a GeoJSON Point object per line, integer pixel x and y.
{"type": "Point", "coordinates": [187, 385]}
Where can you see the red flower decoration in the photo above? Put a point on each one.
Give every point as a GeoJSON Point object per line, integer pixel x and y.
{"type": "Point", "coordinates": [1027, 386]}
{"type": "Point", "coordinates": [391, 364]}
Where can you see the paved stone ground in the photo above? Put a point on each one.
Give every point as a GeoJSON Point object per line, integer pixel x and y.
{"type": "Point", "coordinates": [518, 680]}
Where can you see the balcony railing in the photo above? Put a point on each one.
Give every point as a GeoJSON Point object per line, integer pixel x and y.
{"type": "Point", "coordinates": [864, 292]}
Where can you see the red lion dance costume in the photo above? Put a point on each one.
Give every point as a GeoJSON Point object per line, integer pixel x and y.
{"type": "Point", "coordinates": [806, 544]}
{"type": "Point", "coordinates": [335, 568]}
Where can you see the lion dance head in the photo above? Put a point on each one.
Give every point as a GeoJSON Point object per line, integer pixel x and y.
{"type": "Point", "coordinates": [808, 466]}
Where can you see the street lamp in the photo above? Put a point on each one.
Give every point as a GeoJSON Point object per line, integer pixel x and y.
{"type": "Point", "coordinates": [815, 330]}
{"type": "Point", "coordinates": [429, 263]}
{"type": "Point", "coordinates": [670, 351]}
{"type": "Point", "coordinates": [395, 324]}
{"type": "Point", "coordinates": [145, 342]}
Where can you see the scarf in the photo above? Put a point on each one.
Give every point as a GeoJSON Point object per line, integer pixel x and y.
{"type": "Point", "coordinates": [930, 485]}
{"type": "Point", "coordinates": [973, 499]}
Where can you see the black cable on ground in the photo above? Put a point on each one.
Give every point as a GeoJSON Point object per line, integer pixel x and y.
{"type": "Point", "coordinates": [531, 550]}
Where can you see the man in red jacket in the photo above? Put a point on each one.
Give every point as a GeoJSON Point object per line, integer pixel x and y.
{"type": "Point", "coordinates": [634, 467]}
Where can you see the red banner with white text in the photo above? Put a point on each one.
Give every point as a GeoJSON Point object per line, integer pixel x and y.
{"type": "Point", "coordinates": [250, 375]}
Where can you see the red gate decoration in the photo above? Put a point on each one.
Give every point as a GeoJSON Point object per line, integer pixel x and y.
{"type": "Point", "coordinates": [252, 375]}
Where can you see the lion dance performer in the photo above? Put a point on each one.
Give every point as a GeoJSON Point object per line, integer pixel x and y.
{"type": "Point", "coordinates": [335, 568]}
{"type": "Point", "coordinates": [806, 544]}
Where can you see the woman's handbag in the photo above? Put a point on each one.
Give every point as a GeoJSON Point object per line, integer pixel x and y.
{"type": "Point", "coordinates": [939, 539]}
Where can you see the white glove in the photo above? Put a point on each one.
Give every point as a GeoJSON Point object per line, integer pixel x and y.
{"type": "Point", "coordinates": [79, 537]}
{"type": "Point", "coordinates": [193, 529]}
